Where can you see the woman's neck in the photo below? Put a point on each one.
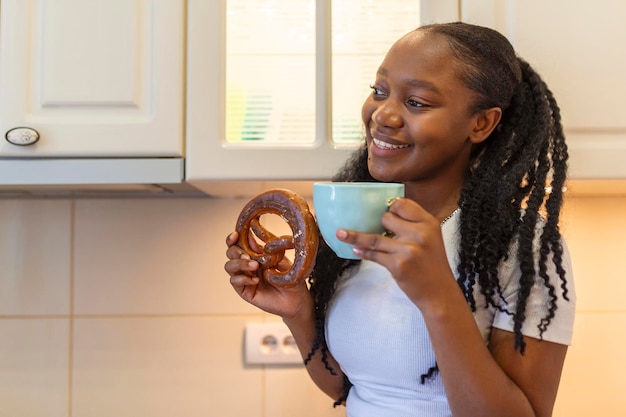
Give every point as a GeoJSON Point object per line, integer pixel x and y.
{"type": "Point", "coordinates": [440, 199]}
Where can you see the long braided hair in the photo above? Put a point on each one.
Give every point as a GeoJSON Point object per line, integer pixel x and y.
{"type": "Point", "coordinates": [504, 195]}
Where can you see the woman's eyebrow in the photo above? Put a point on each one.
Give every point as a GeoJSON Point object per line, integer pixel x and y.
{"type": "Point", "coordinates": [414, 82]}
{"type": "Point", "coordinates": [423, 84]}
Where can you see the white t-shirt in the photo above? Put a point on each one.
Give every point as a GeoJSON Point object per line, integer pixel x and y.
{"type": "Point", "coordinates": [379, 338]}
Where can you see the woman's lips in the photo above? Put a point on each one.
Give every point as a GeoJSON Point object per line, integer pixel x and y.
{"type": "Point", "coordinates": [388, 146]}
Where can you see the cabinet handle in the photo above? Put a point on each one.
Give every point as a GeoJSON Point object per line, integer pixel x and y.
{"type": "Point", "coordinates": [22, 136]}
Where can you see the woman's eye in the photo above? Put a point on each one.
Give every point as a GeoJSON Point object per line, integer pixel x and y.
{"type": "Point", "coordinates": [414, 103]}
{"type": "Point", "coordinates": [376, 91]}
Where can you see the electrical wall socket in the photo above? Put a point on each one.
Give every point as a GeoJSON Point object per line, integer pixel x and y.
{"type": "Point", "coordinates": [270, 344]}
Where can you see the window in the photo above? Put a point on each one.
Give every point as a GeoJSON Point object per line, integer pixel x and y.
{"type": "Point", "coordinates": [273, 65]}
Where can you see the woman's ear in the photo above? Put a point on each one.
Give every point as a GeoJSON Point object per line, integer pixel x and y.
{"type": "Point", "coordinates": [485, 122]}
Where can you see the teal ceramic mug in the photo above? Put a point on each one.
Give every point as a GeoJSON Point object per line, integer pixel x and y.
{"type": "Point", "coordinates": [351, 205]}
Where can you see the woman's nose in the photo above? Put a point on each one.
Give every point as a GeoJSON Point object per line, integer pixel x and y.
{"type": "Point", "coordinates": [388, 114]}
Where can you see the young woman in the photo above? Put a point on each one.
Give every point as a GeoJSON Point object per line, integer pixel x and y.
{"type": "Point", "coordinates": [467, 308]}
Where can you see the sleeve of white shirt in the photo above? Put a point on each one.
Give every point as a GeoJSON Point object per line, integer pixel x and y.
{"type": "Point", "coordinates": [560, 328]}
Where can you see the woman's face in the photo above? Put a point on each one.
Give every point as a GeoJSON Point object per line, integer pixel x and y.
{"type": "Point", "coordinates": [417, 123]}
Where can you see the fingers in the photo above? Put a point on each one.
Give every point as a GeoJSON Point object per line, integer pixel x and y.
{"type": "Point", "coordinates": [232, 238]}
{"type": "Point", "coordinates": [234, 251]}
{"type": "Point", "coordinates": [406, 219]}
{"type": "Point", "coordinates": [243, 274]}
{"type": "Point", "coordinates": [407, 209]}
{"type": "Point", "coordinates": [373, 247]}
{"type": "Point", "coordinates": [407, 225]}
{"type": "Point", "coordinates": [239, 262]}
{"type": "Point", "coordinates": [239, 266]}
{"type": "Point", "coordinates": [243, 264]}
{"type": "Point", "coordinates": [239, 281]}
{"type": "Point", "coordinates": [364, 241]}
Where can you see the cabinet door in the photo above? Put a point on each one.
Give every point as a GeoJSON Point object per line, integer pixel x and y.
{"type": "Point", "coordinates": [576, 46]}
{"type": "Point", "coordinates": [276, 105]}
{"type": "Point", "coordinates": [94, 78]}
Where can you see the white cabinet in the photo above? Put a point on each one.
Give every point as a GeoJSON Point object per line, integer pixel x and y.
{"type": "Point", "coordinates": [577, 47]}
{"type": "Point", "coordinates": [126, 91]}
{"type": "Point", "coordinates": [310, 83]}
{"type": "Point", "coordinates": [95, 79]}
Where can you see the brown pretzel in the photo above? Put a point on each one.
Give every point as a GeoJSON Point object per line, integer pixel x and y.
{"type": "Point", "coordinates": [295, 211]}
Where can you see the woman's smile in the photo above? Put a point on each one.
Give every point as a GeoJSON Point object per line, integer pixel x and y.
{"type": "Point", "coordinates": [384, 146]}
{"type": "Point", "coordinates": [387, 144]}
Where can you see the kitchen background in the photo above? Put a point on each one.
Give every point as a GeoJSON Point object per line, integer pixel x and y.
{"type": "Point", "coordinates": [120, 306]}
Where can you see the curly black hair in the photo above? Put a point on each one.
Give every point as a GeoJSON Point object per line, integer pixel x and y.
{"type": "Point", "coordinates": [515, 180]}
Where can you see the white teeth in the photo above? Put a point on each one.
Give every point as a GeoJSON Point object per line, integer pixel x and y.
{"type": "Point", "coordinates": [385, 145]}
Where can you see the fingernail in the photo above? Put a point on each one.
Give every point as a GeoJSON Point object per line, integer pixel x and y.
{"type": "Point", "coordinates": [252, 263]}
{"type": "Point", "coordinates": [342, 234]}
{"type": "Point", "coordinates": [391, 201]}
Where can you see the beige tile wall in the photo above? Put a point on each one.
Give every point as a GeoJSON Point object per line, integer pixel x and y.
{"type": "Point", "coordinates": [122, 307]}
{"type": "Point", "coordinates": [594, 378]}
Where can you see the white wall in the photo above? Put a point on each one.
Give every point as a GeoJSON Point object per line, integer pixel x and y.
{"type": "Point", "coordinates": [122, 307]}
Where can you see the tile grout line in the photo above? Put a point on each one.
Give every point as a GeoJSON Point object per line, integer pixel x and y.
{"type": "Point", "coordinates": [264, 391]}
{"type": "Point", "coordinates": [70, 371]}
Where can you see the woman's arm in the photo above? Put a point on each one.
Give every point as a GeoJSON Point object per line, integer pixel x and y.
{"type": "Point", "coordinates": [495, 380]}
{"type": "Point", "coordinates": [537, 372]}
{"type": "Point", "coordinates": [296, 307]}
{"type": "Point", "coordinates": [302, 328]}
{"type": "Point", "coordinates": [479, 380]}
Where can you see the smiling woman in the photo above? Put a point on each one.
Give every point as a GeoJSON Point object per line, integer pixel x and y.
{"type": "Point", "coordinates": [472, 289]}
{"type": "Point", "coordinates": [424, 113]}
